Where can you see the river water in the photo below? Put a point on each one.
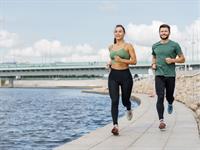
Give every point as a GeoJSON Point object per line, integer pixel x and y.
{"type": "Point", "coordinates": [41, 119]}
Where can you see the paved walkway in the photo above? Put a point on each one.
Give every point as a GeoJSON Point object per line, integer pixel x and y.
{"type": "Point", "coordinates": [142, 133]}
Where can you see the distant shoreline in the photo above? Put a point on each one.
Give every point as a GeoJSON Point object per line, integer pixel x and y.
{"type": "Point", "coordinates": [73, 84]}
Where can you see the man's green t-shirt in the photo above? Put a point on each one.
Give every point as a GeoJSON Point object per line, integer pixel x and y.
{"type": "Point", "coordinates": [161, 51]}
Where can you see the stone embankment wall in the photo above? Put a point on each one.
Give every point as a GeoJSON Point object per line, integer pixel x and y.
{"type": "Point", "coordinates": [187, 90]}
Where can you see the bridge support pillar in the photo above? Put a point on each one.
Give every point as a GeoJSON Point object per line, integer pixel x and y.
{"type": "Point", "coordinates": [2, 82]}
{"type": "Point", "coordinates": [6, 83]}
{"type": "Point", "coordinates": [10, 83]}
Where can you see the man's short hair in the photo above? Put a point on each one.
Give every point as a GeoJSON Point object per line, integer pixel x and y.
{"type": "Point", "coordinates": [164, 26]}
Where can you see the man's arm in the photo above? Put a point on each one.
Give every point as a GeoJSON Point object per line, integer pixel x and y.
{"type": "Point", "coordinates": [153, 65]}
{"type": "Point", "coordinates": [179, 59]}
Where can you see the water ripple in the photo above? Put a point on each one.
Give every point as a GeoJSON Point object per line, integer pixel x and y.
{"type": "Point", "coordinates": [42, 119]}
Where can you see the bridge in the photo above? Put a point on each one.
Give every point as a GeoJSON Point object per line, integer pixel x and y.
{"type": "Point", "coordinates": [10, 72]}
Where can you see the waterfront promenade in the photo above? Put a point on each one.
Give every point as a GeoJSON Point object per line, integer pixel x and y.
{"type": "Point", "coordinates": [142, 133]}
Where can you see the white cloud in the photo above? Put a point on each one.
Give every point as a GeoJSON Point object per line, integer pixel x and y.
{"type": "Point", "coordinates": [49, 51]}
{"type": "Point", "coordinates": [8, 40]}
{"type": "Point", "coordinates": [143, 53]}
{"type": "Point", "coordinates": [51, 48]}
{"type": "Point", "coordinates": [84, 49]}
{"type": "Point", "coordinates": [144, 36]}
{"type": "Point", "coordinates": [103, 54]}
{"type": "Point", "coordinates": [141, 36]}
{"type": "Point", "coordinates": [191, 41]}
{"type": "Point", "coordinates": [94, 56]}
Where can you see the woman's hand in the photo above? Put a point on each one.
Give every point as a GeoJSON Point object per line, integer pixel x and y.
{"type": "Point", "coordinates": [117, 59]}
{"type": "Point", "coordinates": [108, 65]}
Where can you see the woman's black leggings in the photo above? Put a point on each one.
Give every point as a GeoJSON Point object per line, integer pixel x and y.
{"type": "Point", "coordinates": [116, 79]}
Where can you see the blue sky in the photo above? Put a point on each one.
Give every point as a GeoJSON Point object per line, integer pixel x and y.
{"type": "Point", "coordinates": [89, 24]}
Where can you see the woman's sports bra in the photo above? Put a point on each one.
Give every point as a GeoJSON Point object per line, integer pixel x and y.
{"type": "Point", "coordinates": [122, 53]}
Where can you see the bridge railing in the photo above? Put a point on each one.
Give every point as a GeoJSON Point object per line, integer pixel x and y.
{"type": "Point", "coordinates": [95, 63]}
{"type": "Point", "coordinates": [24, 65]}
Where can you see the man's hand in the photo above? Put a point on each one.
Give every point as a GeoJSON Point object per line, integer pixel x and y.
{"type": "Point", "coordinates": [170, 60]}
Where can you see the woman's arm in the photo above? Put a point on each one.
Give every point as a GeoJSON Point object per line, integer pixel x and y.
{"type": "Point", "coordinates": [132, 60]}
{"type": "Point", "coordinates": [109, 63]}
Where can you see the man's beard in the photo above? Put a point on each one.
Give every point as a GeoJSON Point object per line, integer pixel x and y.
{"type": "Point", "coordinates": [165, 38]}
